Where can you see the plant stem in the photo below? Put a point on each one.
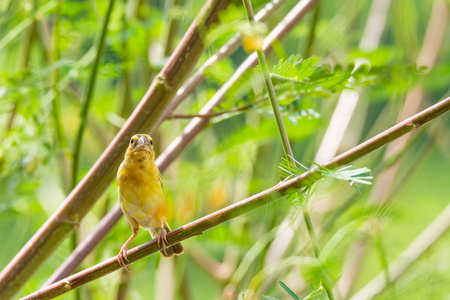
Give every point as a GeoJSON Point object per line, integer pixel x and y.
{"type": "Point", "coordinates": [197, 227]}
{"type": "Point", "coordinates": [270, 90]}
{"type": "Point", "coordinates": [317, 252]}
{"type": "Point", "coordinates": [312, 31]}
{"type": "Point", "coordinates": [85, 110]}
{"type": "Point", "coordinates": [89, 94]}
{"type": "Point", "coordinates": [213, 114]}
{"type": "Point", "coordinates": [383, 261]}
{"type": "Point", "coordinates": [286, 146]}
{"type": "Point", "coordinates": [56, 103]}
{"type": "Point", "coordinates": [311, 232]}
{"type": "Point", "coordinates": [172, 27]}
{"type": "Point", "coordinates": [126, 106]}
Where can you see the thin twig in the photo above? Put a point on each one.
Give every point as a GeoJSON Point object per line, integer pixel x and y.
{"type": "Point", "coordinates": [199, 226]}
{"type": "Point", "coordinates": [312, 32]}
{"type": "Point", "coordinates": [56, 103]}
{"type": "Point", "coordinates": [213, 114]}
{"type": "Point", "coordinates": [172, 27]}
{"type": "Point", "coordinates": [383, 259]}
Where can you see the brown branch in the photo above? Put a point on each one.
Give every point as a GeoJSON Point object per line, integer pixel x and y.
{"type": "Point", "coordinates": [85, 194]}
{"type": "Point", "coordinates": [184, 139]}
{"type": "Point", "coordinates": [213, 114]}
{"type": "Point", "coordinates": [199, 226]}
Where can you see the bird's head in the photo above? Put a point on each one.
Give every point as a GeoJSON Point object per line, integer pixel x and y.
{"type": "Point", "coordinates": [140, 147]}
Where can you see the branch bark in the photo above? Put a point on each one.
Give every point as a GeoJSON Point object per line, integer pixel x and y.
{"type": "Point", "coordinates": [83, 197]}
{"type": "Point", "coordinates": [197, 227]}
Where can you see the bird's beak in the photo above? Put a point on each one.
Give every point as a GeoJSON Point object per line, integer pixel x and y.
{"type": "Point", "coordinates": [141, 141]}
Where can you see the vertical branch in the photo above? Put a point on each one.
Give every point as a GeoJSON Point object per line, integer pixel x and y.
{"type": "Point", "coordinates": [326, 279]}
{"type": "Point", "coordinates": [29, 38]}
{"type": "Point", "coordinates": [286, 145]}
{"type": "Point", "coordinates": [85, 110]}
{"type": "Point", "coordinates": [270, 90]}
{"type": "Point", "coordinates": [383, 260]}
{"type": "Point", "coordinates": [312, 31]}
{"type": "Point", "coordinates": [56, 104]}
{"type": "Point", "coordinates": [61, 139]}
{"type": "Point", "coordinates": [90, 92]}
{"type": "Point", "coordinates": [172, 28]}
{"type": "Point", "coordinates": [126, 106]}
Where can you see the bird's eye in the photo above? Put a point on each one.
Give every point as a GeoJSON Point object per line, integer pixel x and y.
{"type": "Point", "coordinates": [131, 141]}
{"type": "Point", "coordinates": [151, 142]}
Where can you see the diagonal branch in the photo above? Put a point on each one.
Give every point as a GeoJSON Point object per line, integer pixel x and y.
{"type": "Point", "coordinates": [85, 194]}
{"type": "Point", "coordinates": [184, 139]}
{"type": "Point", "coordinates": [199, 226]}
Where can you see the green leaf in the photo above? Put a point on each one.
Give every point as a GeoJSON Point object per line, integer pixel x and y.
{"type": "Point", "coordinates": [311, 271]}
{"type": "Point", "coordinates": [288, 290]}
{"type": "Point", "coordinates": [294, 68]}
{"type": "Point", "coordinates": [288, 169]}
{"type": "Point", "coordinates": [349, 174]}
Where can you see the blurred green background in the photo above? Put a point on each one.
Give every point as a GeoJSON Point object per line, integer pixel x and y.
{"type": "Point", "coordinates": [43, 85]}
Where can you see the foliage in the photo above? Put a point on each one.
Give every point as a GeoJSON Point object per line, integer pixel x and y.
{"type": "Point", "coordinates": [266, 253]}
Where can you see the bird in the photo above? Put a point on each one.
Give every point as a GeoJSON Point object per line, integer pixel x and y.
{"type": "Point", "coordinates": [141, 197]}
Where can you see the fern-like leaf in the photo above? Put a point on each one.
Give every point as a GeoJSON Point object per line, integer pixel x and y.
{"type": "Point", "coordinates": [349, 174]}
{"type": "Point", "coordinates": [295, 68]}
{"type": "Point", "coordinates": [289, 169]}
{"type": "Point", "coordinates": [288, 290]}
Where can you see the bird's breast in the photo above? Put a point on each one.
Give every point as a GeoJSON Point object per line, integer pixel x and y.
{"type": "Point", "coordinates": [139, 182]}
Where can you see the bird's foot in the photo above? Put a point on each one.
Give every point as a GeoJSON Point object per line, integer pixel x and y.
{"type": "Point", "coordinates": [162, 239]}
{"type": "Point", "coordinates": [122, 256]}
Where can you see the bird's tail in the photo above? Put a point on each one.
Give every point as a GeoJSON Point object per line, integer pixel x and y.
{"type": "Point", "coordinates": [176, 249]}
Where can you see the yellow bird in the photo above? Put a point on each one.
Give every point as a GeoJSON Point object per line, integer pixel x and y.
{"type": "Point", "coordinates": [141, 196]}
